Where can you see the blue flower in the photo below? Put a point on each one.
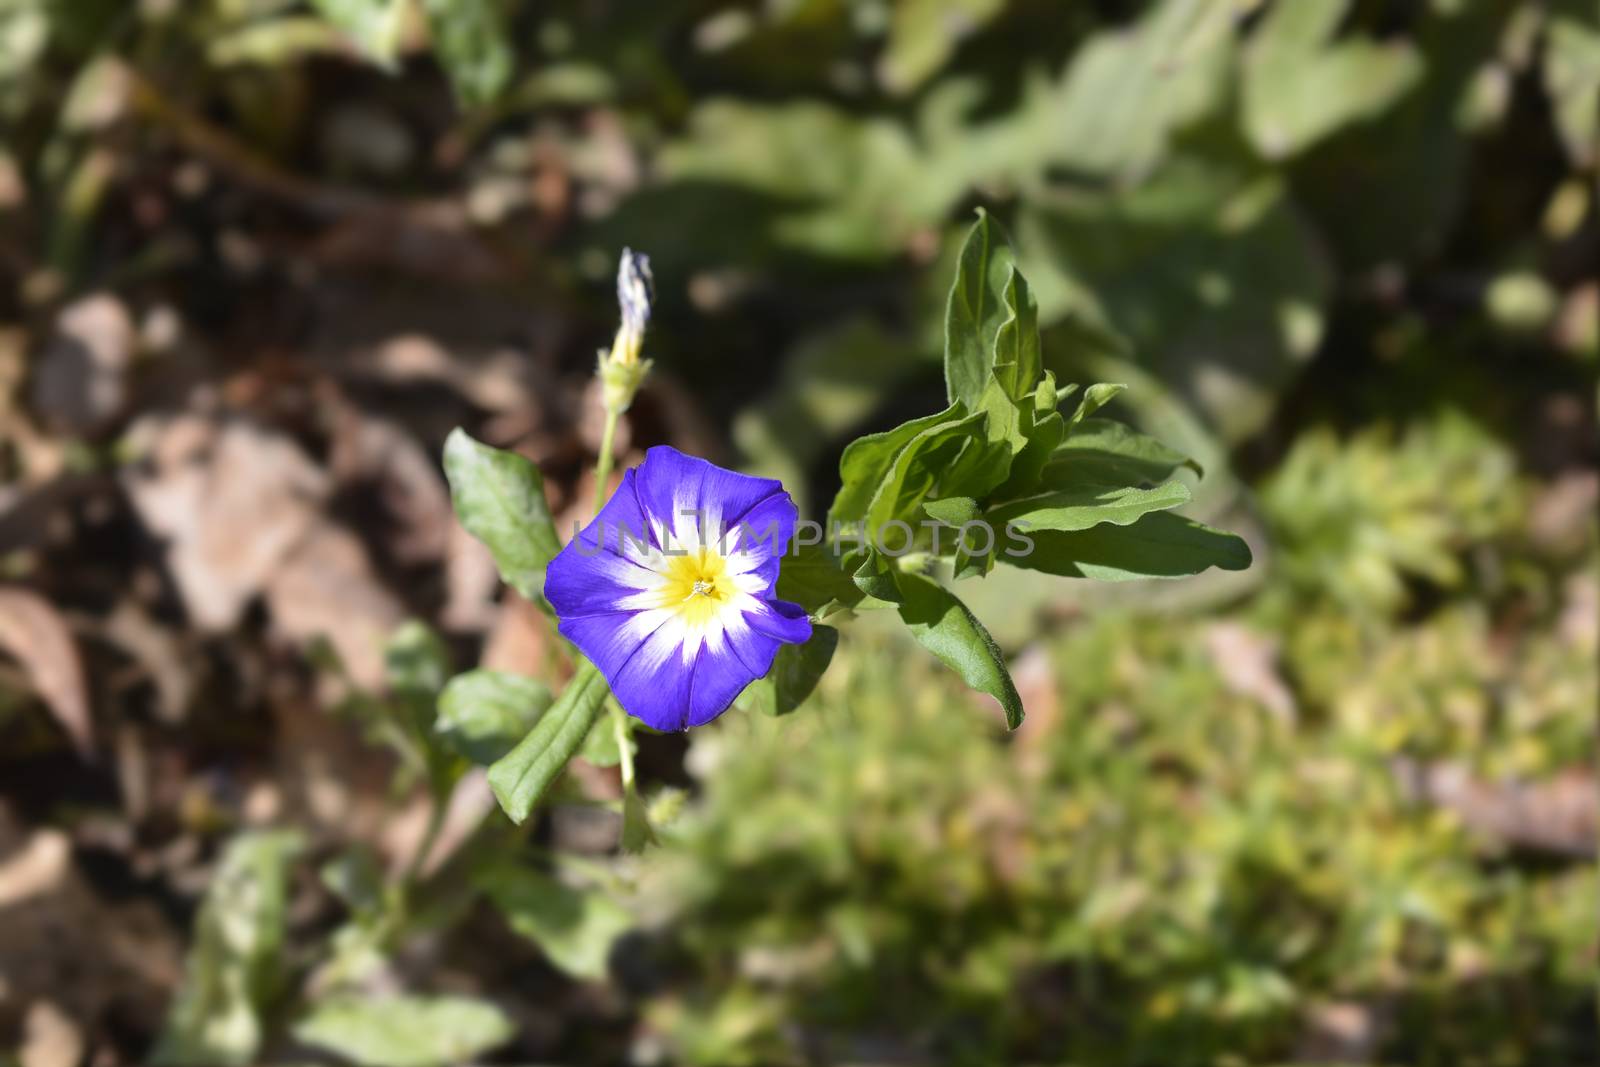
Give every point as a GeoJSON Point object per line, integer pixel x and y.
{"type": "Point", "coordinates": [670, 590]}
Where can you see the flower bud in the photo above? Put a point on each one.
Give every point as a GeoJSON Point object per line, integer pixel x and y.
{"type": "Point", "coordinates": [621, 370]}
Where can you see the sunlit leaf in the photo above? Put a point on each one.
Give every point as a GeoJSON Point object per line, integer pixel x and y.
{"type": "Point", "coordinates": [941, 623]}
{"type": "Point", "coordinates": [1084, 506]}
{"type": "Point", "coordinates": [484, 713]}
{"type": "Point", "coordinates": [574, 927]}
{"type": "Point", "coordinates": [499, 498]}
{"type": "Point", "coordinates": [1300, 83]}
{"type": "Point", "coordinates": [977, 308]}
{"type": "Point", "coordinates": [405, 1031]}
{"type": "Point", "coordinates": [235, 968]}
{"type": "Point", "coordinates": [1106, 452]}
{"type": "Point", "coordinates": [1159, 545]}
{"type": "Point", "coordinates": [923, 34]}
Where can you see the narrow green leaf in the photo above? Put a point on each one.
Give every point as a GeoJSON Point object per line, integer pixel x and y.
{"type": "Point", "coordinates": [976, 310]}
{"type": "Point", "coordinates": [1096, 397]}
{"type": "Point", "coordinates": [405, 1031]}
{"type": "Point", "coordinates": [942, 624]}
{"type": "Point", "coordinates": [1017, 361]}
{"type": "Point", "coordinates": [520, 777]}
{"type": "Point", "coordinates": [868, 459]}
{"type": "Point", "coordinates": [1044, 430]}
{"type": "Point", "coordinates": [235, 967]}
{"type": "Point", "coordinates": [1107, 452]}
{"type": "Point", "coordinates": [499, 497]}
{"type": "Point", "coordinates": [795, 672]}
{"type": "Point", "coordinates": [1159, 545]}
{"type": "Point", "coordinates": [1083, 506]}
{"type": "Point", "coordinates": [483, 714]}
{"type": "Point", "coordinates": [573, 927]}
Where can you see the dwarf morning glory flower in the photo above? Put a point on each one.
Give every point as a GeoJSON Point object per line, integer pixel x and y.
{"type": "Point", "coordinates": [670, 590]}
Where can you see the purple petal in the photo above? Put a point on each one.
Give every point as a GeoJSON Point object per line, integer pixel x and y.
{"type": "Point", "coordinates": [589, 576]}
{"type": "Point", "coordinates": [766, 531]}
{"type": "Point", "coordinates": [671, 484]}
{"type": "Point", "coordinates": [782, 621]}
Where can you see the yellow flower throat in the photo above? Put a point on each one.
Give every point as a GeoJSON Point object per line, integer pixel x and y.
{"type": "Point", "coordinates": [697, 585]}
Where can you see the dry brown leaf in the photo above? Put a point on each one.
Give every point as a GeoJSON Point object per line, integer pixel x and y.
{"type": "Point", "coordinates": [1556, 815]}
{"type": "Point", "coordinates": [1035, 679]}
{"type": "Point", "coordinates": [471, 581]}
{"type": "Point", "coordinates": [1247, 662]}
{"type": "Point", "coordinates": [326, 588]}
{"type": "Point", "coordinates": [50, 1037]}
{"type": "Point", "coordinates": [415, 499]}
{"type": "Point", "coordinates": [232, 500]}
{"type": "Point", "coordinates": [33, 632]}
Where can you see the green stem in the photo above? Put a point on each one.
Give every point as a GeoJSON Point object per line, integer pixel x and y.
{"type": "Point", "coordinates": [602, 464]}
{"type": "Point", "coordinates": [619, 723]}
{"type": "Point", "coordinates": [430, 837]}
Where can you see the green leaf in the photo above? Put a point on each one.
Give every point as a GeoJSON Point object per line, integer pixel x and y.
{"type": "Point", "coordinates": [499, 497]}
{"type": "Point", "coordinates": [416, 665]}
{"type": "Point", "coordinates": [235, 967]}
{"type": "Point", "coordinates": [1044, 430]}
{"type": "Point", "coordinates": [795, 672]}
{"type": "Point", "coordinates": [405, 1031]}
{"type": "Point", "coordinates": [810, 575]}
{"type": "Point", "coordinates": [941, 623]}
{"type": "Point", "coordinates": [1208, 267]}
{"type": "Point", "coordinates": [1017, 362]}
{"type": "Point", "coordinates": [415, 661]}
{"type": "Point", "coordinates": [1096, 397]}
{"type": "Point", "coordinates": [868, 459]}
{"type": "Point", "coordinates": [1301, 84]}
{"type": "Point", "coordinates": [637, 833]}
{"type": "Point", "coordinates": [574, 928]}
{"type": "Point", "coordinates": [952, 511]}
{"type": "Point", "coordinates": [924, 33]}
{"type": "Point", "coordinates": [1084, 506]}
{"type": "Point", "coordinates": [602, 747]}
{"type": "Point", "coordinates": [373, 26]}
{"type": "Point", "coordinates": [877, 577]}
{"type": "Point", "coordinates": [1572, 80]}
{"type": "Point", "coordinates": [930, 461]}
{"type": "Point", "coordinates": [976, 310]}
{"type": "Point", "coordinates": [1159, 545]}
{"type": "Point", "coordinates": [1129, 89]}
{"type": "Point", "coordinates": [483, 714]}
{"type": "Point", "coordinates": [472, 44]}
{"type": "Point", "coordinates": [1107, 452]}
{"type": "Point", "coordinates": [355, 877]}
{"type": "Point", "coordinates": [984, 462]}
{"type": "Point", "coordinates": [520, 777]}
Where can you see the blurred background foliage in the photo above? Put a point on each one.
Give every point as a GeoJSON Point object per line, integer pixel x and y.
{"type": "Point", "coordinates": [261, 255]}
